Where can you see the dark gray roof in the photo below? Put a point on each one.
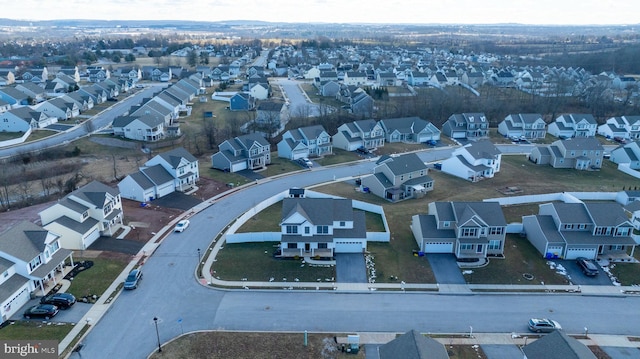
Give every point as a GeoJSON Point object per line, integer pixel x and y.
{"type": "Point", "coordinates": [10, 286]}
{"type": "Point", "coordinates": [312, 132]}
{"type": "Point", "coordinates": [319, 211]}
{"type": "Point", "coordinates": [95, 193]}
{"type": "Point", "coordinates": [78, 227]}
{"type": "Point", "coordinates": [429, 229]}
{"type": "Point", "coordinates": [572, 212]}
{"type": "Point", "coordinates": [175, 156]}
{"type": "Point", "coordinates": [550, 229]}
{"type": "Point", "coordinates": [582, 143]}
{"type": "Point", "coordinates": [490, 212]}
{"type": "Point", "coordinates": [482, 149]}
{"type": "Point", "coordinates": [25, 240]}
{"type": "Point", "coordinates": [607, 214]}
{"type": "Point", "coordinates": [557, 345]}
{"type": "Point", "coordinates": [406, 163]}
{"type": "Point", "coordinates": [157, 174]}
{"type": "Point", "coordinates": [413, 345]}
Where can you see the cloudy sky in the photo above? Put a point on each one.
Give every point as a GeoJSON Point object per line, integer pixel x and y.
{"type": "Point", "coordinates": [557, 12]}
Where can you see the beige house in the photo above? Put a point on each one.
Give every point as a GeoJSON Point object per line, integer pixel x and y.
{"type": "Point", "coordinates": [85, 214]}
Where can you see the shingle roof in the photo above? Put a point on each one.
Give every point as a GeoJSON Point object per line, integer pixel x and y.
{"type": "Point", "coordinates": [25, 240]}
{"type": "Point", "coordinates": [557, 345]}
{"type": "Point", "coordinates": [413, 345]}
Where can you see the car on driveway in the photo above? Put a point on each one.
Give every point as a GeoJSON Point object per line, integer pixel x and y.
{"type": "Point", "coordinates": [133, 279]}
{"type": "Point", "coordinates": [181, 226]}
{"type": "Point", "coordinates": [305, 162]}
{"type": "Point", "coordinates": [45, 311]}
{"type": "Point", "coordinates": [61, 300]}
{"type": "Point", "coordinates": [588, 267]}
{"type": "Point", "coordinates": [543, 325]}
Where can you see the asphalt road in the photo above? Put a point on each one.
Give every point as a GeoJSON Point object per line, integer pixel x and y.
{"type": "Point", "coordinates": [299, 104]}
{"type": "Point", "coordinates": [171, 293]}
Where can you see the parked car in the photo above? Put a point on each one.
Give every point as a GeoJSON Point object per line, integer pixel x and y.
{"type": "Point", "coordinates": [306, 162]}
{"type": "Point", "coordinates": [181, 226]}
{"type": "Point", "coordinates": [543, 325]}
{"type": "Point", "coordinates": [45, 311]}
{"type": "Point", "coordinates": [362, 150]}
{"type": "Point", "coordinates": [60, 300]}
{"type": "Point", "coordinates": [133, 279]}
{"type": "Point", "coordinates": [588, 267]}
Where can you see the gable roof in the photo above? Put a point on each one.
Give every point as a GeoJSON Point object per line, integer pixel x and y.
{"type": "Point", "coordinates": [482, 149]}
{"type": "Point", "coordinates": [409, 162]}
{"type": "Point", "coordinates": [413, 345]}
{"type": "Point", "coordinates": [557, 345]}
{"type": "Point", "coordinates": [24, 240]}
{"type": "Point", "coordinates": [318, 211]}
{"type": "Point", "coordinates": [175, 156]}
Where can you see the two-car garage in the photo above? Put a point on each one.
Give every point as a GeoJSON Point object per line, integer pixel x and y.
{"type": "Point", "coordinates": [573, 253]}
{"type": "Point", "coordinates": [350, 246]}
{"type": "Point", "coordinates": [438, 247]}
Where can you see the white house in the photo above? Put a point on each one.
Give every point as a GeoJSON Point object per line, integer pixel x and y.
{"type": "Point", "coordinates": [474, 162]}
{"type": "Point", "coordinates": [83, 215]}
{"type": "Point", "coordinates": [305, 142]}
{"type": "Point", "coordinates": [573, 125]}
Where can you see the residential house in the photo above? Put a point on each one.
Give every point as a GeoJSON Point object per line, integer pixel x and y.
{"type": "Point", "coordinates": [474, 162]}
{"type": "Point", "coordinates": [557, 345]}
{"type": "Point", "coordinates": [573, 125]}
{"type": "Point", "coordinates": [360, 104]}
{"type": "Point", "coordinates": [30, 258]}
{"type": "Point", "coordinates": [35, 75]}
{"type": "Point", "coordinates": [614, 127]}
{"type": "Point", "coordinates": [162, 74]}
{"type": "Point", "coordinates": [59, 108]}
{"type": "Point", "coordinates": [144, 127]}
{"type": "Point", "coordinates": [309, 141]}
{"type": "Point", "coordinates": [97, 74]}
{"type": "Point", "coordinates": [579, 153]}
{"type": "Point", "coordinates": [22, 119]}
{"type": "Point", "coordinates": [409, 130]}
{"type": "Point", "coordinates": [14, 97]}
{"type": "Point", "coordinates": [33, 91]}
{"type": "Point", "coordinates": [529, 126]}
{"type": "Point", "coordinates": [633, 126]}
{"type": "Point", "coordinates": [398, 178]}
{"type": "Point", "coordinates": [68, 84]}
{"type": "Point", "coordinates": [259, 90]}
{"type": "Point", "coordinates": [572, 230]}
{"type": "Point", "coordinates": [355, 78]}
{"type": "Point", "coordinates": [466, 229]}
{"type": "Point", "coordinates": [154, 109]}
{"type": "Point", "coordinates": [474, 79]}
{"type": "Point", "coordinates": [321, 227]}
{"type": "Point", "coordinates": [413, 345]}
{"type": "Point", "coordinates": [469, 126]}
{"type": "Point", "coordinates": [272, 115]}
{"type": "Point", "coordinates": [83, 215]}
{"type": "Point", "coordinates": [4, 106]}
{"type": "Point", "coordinates": [251, 151]}
{"type": "Point", "coordinates": [70, 72]}
{"type": "Point", "coordinates": [632, 209]}
{"type": "Point", "coordinates": [241, 102]}
{"type": "Point", "coordinates": [83, 101]}
{"type": "Point", "coordinates": [366, 134]}
{"type": "Point", "coordinates": [416, 78]}
{"type": "Point", "coordinates": [386, 79]}
{"type": "Point", "coordinates": [328, 88]}
{"type": "Point", "coordinates": [98, 94]}
{"type": "Point", "coordinates": [628, 153]}
{"type": "Point", "coordinates": [168, 172]}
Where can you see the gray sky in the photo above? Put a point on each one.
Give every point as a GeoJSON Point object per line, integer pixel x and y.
{"type": "Point", "coordinates": [557, 12]}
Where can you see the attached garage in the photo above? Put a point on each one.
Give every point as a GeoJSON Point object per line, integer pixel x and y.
{"type": "Point", "coordinates": [438, 247]}
{"type": "Point", "coordinates": [346, 246]}
{"type": "Point", "coordinates": [91, 237]}
{"type": "Point", "coordinates": [573, 253]}
{"type": "Point", "coordinates": [553, 252]}
{"type": "Point", "coordinates": [459, 134]}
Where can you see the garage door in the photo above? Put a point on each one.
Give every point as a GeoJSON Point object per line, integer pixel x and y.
{"type": "Point", "coordinates": [95, 234]}
{"type": "Point", "coordinates": [574, 253]}
{"type": "Point", "coordinates": [438, 247]}
{"type": "Point", "coordinates": [348, 247]}
{"type": "Point", "coordinates": [459, 134]}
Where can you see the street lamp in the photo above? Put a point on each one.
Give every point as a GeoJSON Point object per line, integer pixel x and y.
{"type": "Point", "coordinates": [199, 256]}
{"type": "Point", "coordinates": [155, 320]}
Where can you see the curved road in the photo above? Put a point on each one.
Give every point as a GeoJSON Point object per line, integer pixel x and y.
{"type": "Point", "coordinates": [170, 292]}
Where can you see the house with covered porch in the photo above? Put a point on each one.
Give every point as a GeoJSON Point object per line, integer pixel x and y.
{"type": "Point", "coordinates": [398, 178]}
{"type": "Point", "coordinates": [321, 227]}
{"type": "Point", "coordinates": [32, 261]}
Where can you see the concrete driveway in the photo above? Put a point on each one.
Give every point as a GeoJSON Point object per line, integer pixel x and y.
{"type": "Point", "coordinates": [71, 315]}
{"type": "Point", "coordinates": [445, 268]}
{"type": "Point", "coordinates": [350, 268]}
{"type": "Point", "coordinates": [116, 245]}
{"type": "Point", "coordinates": [177, 200]}
{"type": "Point", "coordinates": [501, 351]}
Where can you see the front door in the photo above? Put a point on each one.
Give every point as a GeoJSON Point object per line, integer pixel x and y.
{"type": "Point", "coordinates": [307, 247]}
{"type": "Point", "coordinates": [479, 248]}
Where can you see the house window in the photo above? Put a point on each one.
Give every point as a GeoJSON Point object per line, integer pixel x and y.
{"type": "Point", "coordinates": [466, 247]}
{"type": "Point", "coordinates": [5, 274]}
{"type": "Point", "coordinates": [292, 245]}
{"type": "Point", "coordinates": [446, 224]}
{"type": "Point", "coordinates": [35, 263]}
{"type": "Point", "coordinates": [495, 245]}
{"type": "Point", "coordinates": [342, 224]}
{"type": "Point", "coordinates": [322, 246]}
{"type": "Point", "coordinates": [307, 230]}
{"type": "Point", "coordinates": [469, 232]}
{"type": "Point", "coordinates": [322, 229]}
{"type": "Point", "coordinates": [292, 229]}
{"type": "Point", "coordinates": [496, 230]}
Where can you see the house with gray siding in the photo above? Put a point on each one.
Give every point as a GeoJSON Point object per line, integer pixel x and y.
{"type": "Point", "coordinates": [409, 130]}
{"type": "Point", "coordinates": [583, 153]}
{"type": "Point", "coordinates": [398, 178]}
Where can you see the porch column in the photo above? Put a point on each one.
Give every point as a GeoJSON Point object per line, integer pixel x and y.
{"type": "Point", "coordinates": [41, 286]}
{"type": "Point", "coordinates": [633, 248]}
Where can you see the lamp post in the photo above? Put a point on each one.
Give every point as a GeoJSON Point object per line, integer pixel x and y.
{"type": "Point", "coordinates": [199, 256]}
{"type": "Point", "coordinates": [155, 320]}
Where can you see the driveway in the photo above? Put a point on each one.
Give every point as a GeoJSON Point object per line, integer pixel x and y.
{"type": "Point", "coordinates": [250, 174]}
{"type": "Point", "coordinates": [577, 277]}
{"type": "Point", "coordinates": [621, 352]}
{"type": "Point", "coordinates": [350, 268]}
{"type": "Point", "coordinates": [177, 200]}
{"type": "Point", "coordinates": [501, 351]}
{"type": "Point", "coordinates": [71, 315]}
{"type": "Point", "coordinates": [445, 268]}
{"type": "Point", "coordinates": [116, 245]}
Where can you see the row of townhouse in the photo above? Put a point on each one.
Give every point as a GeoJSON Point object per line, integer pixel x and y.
{"type": "Point", "coordinates": [156, 117]}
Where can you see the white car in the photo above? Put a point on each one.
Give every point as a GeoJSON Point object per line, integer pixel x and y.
{"type": "Point", "coordinates": [181, 226]}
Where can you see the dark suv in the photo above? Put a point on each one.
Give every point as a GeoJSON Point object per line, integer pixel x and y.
{"type": "Point", "coordinates": [61, 300]}
{"type": "Point", "coordinates": [588, 267]}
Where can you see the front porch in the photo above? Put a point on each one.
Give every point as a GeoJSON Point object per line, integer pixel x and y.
{"type": "Point", "coordinates": [56, 280]}
{"type": "Point", "coordinates": [301, 252]}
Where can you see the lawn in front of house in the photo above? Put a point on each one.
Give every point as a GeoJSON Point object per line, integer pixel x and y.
{"type": "Point", "coordinates": [30, 329]}
{"type": "Point", "coordinates": [96, 280]}
{"type": "Point", "coordinates": [255, 262]}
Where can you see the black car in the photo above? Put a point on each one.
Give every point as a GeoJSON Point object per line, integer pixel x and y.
{"type": "Point", "coordinates": [45, 311]}
{"type": "Point", "coordinates": [61, 300]}
{"type": "Point", "coordinates": [588, 267]}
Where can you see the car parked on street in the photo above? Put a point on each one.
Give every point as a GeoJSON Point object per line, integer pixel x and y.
{"type": "Point", "coordinates": [181, 226]}
{"type": "Point", "coordinates": [133, 279]}
{"type": "Point", "coordinates": [543, 325]}
{"type": "Point", "coordinates": [61, 300]}
{"type": "Point", "coordinates": [46, 311]}
{"type": "Point", "coordinates": [588, 267]}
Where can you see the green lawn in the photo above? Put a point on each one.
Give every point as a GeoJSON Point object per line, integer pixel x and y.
{"type": "Point", "coordinates": [35, 330]}
{"type": "Point", "coordinates": [255, 262]}
{"type": "Point", "coordinates": [628, 273]}
{"type": "Point", "coordinates": [96, 279]}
